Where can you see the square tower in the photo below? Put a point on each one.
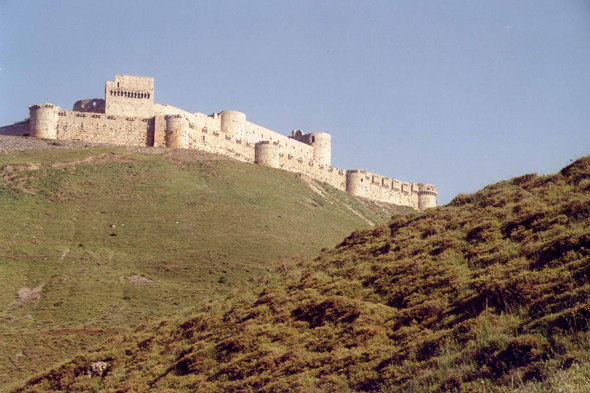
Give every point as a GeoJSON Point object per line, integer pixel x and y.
{"type": "Point", "coordinates": [130, 96]}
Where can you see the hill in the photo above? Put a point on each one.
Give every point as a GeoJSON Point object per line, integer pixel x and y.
{"type": "Point", "coordinates": [489, 293]}
{"type": "Point", "coordinates": [98, 241]}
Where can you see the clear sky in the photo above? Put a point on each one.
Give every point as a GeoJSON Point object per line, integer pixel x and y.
{"type": "Point", "coordinates": [455, 93]}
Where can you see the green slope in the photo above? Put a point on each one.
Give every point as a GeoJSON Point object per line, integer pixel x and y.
{"type": "Point", "coordinates": [488, 294]}
{"type": "Point", "coordinates": [99, 241]}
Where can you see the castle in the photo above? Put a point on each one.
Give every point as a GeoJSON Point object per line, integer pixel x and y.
{"type": "Point", "coordinates": [128, 116]}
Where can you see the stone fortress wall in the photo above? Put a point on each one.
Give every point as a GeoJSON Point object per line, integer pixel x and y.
{"type": "Point", "coordinates": [128, 116]}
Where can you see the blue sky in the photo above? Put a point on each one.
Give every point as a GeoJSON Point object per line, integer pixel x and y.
{"type": "Point", "coordinates": [455, 93]}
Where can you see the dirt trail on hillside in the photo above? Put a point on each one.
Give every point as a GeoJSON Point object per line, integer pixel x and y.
{"type": "Point", "coordinates": [99, 159]}
{"type": "Point", "coordinates": [311, 183]}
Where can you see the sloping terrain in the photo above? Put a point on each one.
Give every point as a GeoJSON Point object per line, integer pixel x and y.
{"type": "Point", "coordinates": [99, 241]}
{"type": "Point", "coordinates": [490, 293]}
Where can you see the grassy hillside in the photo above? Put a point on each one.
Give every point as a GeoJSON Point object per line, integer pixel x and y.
{"type": "Point", "coordinates": [99, 241]}
{"type": "Point", "coordinates": [488, 294]}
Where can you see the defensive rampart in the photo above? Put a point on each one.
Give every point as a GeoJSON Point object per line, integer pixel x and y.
{"type": "Point", "coordinates": [129, 117]}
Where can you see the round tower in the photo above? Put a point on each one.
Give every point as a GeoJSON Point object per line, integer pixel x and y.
{"type": "Point", "coordinates": [43, 121]}
{"type": "Point", "coordinates": [322, 147]}
{"type": "Point", "coordinates": [176, 134]}
{"type": "Point", "coordinates": [266, 154]}
{"type": "Point", "coordinates": [234, 124]}
{"type": "Point", "coordinates": [355, 183]}
{"type": "Point", "coordinates": [426, 196]}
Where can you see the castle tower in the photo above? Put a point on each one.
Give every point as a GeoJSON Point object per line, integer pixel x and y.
{"type": "Point", "coordinates": [267, 154]}
{"type": "Point", "coordinates": [355, 183]}
{"type": "Point", "coordinates": [130, 95]}
{"type": "Point", "coordinates": [426, 196]}
{"type": "Point", "coordinates": [322, 147]}
{"type": "Point", "coordinates": [43, 121]}
{"type": "Point", "coordinates": [176, 131]}
{"type": "Point", "coordinates": [234, 124]}
{"type": "Point", "coordinates": [321, 143]}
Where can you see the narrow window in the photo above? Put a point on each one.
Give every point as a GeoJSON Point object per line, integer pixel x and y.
{"type": "Point", "coordinates": [312, 139]}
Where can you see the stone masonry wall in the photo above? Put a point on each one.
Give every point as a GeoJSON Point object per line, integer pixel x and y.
{"type": "Point", "coordinates": [95, 127]}
{"type": "Point", "coordinates": [204, 133]}
{"type": "Point", "coordinates": [372, 186]}
{"type": "Point", "coordinates": [17, 129]}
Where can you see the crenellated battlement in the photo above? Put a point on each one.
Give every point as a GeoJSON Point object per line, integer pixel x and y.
{"type": "Point", "coordinates": [128, 116]}
{"type": "Point", "coordinates": [34, 107]}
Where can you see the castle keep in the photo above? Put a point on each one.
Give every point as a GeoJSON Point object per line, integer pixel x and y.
{"type": "Point", "coordinates": [128, 116]}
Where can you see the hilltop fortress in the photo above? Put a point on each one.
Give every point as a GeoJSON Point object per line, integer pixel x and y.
{"type": "Point", "coordinates": [128, 116]}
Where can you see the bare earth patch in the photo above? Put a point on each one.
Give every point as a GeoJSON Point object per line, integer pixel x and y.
{"type": "Point", "coordinates": [28, 295]}
{"type": "Point", "coordinates": [140, 280]}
